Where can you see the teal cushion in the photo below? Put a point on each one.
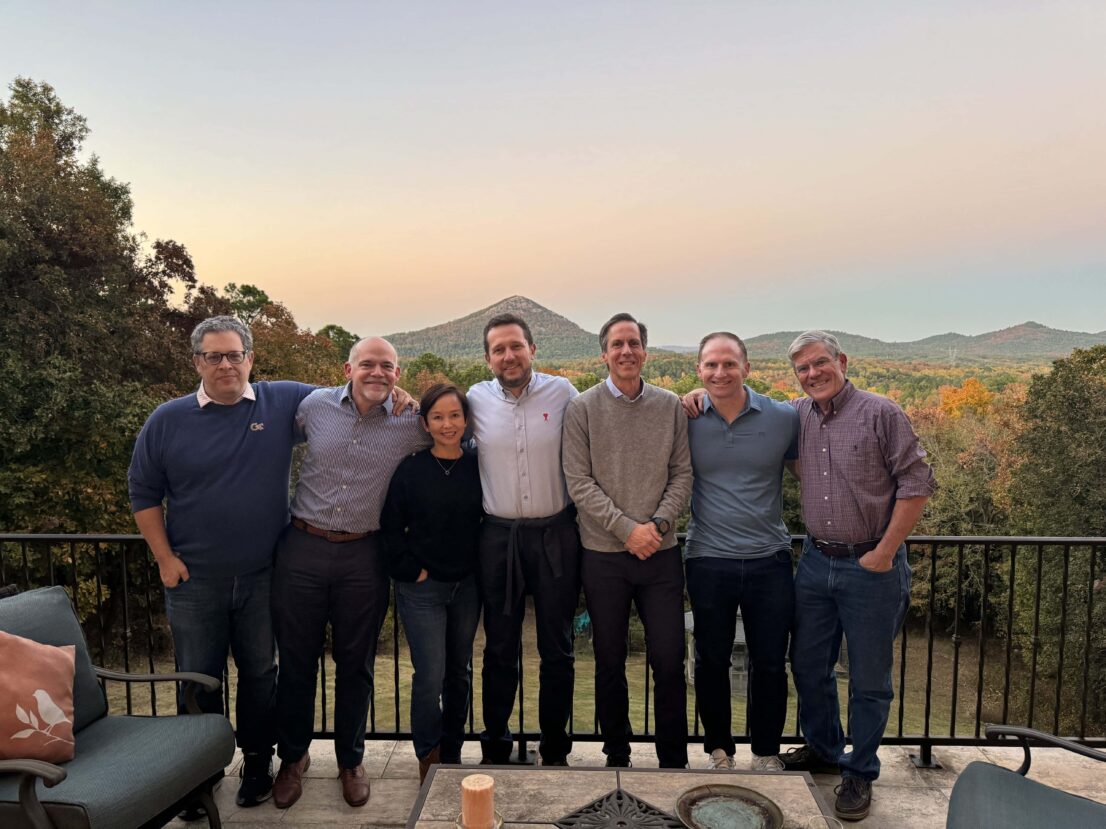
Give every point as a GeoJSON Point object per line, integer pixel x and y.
{"type": "Point", "coordinates": [990, 797]}
{"type": "Point", "coordinates": [46, 616]}
{"type": "Point", "coordinates": [128, 769]}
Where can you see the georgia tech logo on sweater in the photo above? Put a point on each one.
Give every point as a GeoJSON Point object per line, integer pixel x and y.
{"type": "Point", "coordinates": [256, 427]}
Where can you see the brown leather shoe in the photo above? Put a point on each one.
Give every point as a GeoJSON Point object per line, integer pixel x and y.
{"type": "Point", "coordinates": [435, 756]}
{"type": "Point", "coordinates": [355, 786]}
{"type": "Point", "coordinates": [289, 781]}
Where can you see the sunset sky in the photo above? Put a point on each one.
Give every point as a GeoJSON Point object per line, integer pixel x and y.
{"type": "Point", "coordinates": [892, 169]}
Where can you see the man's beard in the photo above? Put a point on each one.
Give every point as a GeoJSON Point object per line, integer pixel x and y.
{"type": "Point", "coordinates": [520, 383]}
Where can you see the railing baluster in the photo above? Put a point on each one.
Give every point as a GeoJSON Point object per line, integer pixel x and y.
{"type": "Point", "coordinates": [929, 635]}
{"type": "Point", "coordinates": [1035, 641]}
{"type": "Point", "coordinates": [126, 629]}
{"type": "Point", "coordinates": [902, 664]}
{"type": "Point", "coordinates": [985, 577]}
{"type": "Point", "coordinates": [75, 581]}
{"type": "Point", "coordinates": [324, 722]}
{"type": "Point", "coordinates": [1009, 634]}
{"type": "Point", "coordinates": [521, 703]}
{"type": "Point", "coordinates": [1063, 640]}
{"type": "Point", "coordinates": [149, 627]}
{"type": "Point", "coordinates": [1087, 643]}
{"type": "Point", "coordinates": [956, 638]}
{"type": "Point", "coordinates": [26, 568]}
{"type": "Point", "coordinates": [100, 605]}
{"type": "Point", "coordinates": [394, 610]}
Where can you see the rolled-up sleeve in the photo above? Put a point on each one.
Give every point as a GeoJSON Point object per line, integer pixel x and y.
{"type": "Point", "coordinates": [904, 455]}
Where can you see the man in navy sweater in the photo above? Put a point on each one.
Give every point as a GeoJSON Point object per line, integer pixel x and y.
{"type": "Point", "coordinates": [219, 461]}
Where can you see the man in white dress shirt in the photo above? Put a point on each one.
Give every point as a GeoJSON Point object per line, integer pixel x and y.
{"type": "Point", "coordinates": [530, 542]}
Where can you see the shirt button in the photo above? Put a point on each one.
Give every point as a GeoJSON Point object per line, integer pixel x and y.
{"type": "Point", "coordinates": [823, 448]}
{"type": "Point", "coordinates": [825, 473]}
{"type": "Point", "coordinates": [825, 497]}
{"type": "Point", "coordinates": [337, 509]}
{"type": "Point", "coordinates": [344, 486]}
{"type": "Point", "coordinates": [828, 523]}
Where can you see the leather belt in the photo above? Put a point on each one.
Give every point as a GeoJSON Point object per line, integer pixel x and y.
{"type": "Point", "coordinates": [838, 549]}
{"type": "Point", "coordinates": [336, 536]}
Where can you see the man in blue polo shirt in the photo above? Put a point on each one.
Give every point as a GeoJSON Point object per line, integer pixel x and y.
{"type": "Point", "coordinates": [738, 549]}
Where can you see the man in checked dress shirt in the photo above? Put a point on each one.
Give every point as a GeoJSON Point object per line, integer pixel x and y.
{"type": "Point", "coordinates": [329, 567]}
{"type": "Point", "coordinates": [864, 485]}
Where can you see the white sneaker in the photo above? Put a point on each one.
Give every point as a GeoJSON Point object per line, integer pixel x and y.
{"type": "Point", "coordinates": [719, 759]}
{"type": "Point", "coordinates": [769, 763]}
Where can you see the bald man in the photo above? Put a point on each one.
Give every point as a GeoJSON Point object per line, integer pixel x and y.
{"type": "Point", "coordinates": [329, 566]}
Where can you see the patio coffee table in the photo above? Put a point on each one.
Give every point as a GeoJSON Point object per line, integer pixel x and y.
{"type": "Point", "coordinates": [537, 797]}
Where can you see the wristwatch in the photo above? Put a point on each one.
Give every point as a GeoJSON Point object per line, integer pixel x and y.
{"type": "Point", "coordinates": [663, 525]}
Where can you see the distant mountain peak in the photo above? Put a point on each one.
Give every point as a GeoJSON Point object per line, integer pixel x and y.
{"type": "Point", "coordinates": [557, 337]}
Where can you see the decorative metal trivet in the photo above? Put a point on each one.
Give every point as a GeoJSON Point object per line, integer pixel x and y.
{"type": "Point", "coordinates": [619, 809]}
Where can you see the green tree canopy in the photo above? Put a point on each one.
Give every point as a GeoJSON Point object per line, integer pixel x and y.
{"type": "Point", "coordinates": [1059, 485]}
{"type": "Point", "coordinates": [84, 319]}
{"type": "Point", "coordinates": [343, 340]}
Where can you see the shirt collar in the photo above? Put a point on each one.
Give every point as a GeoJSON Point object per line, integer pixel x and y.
{"type": "Point", "coordinates": [347, 395]}
{"type": "Point", "coordinates": [203, 398]}
{"type": "Point", "coordinates": [751, 402]}
{"type": "Point", "coordinates": [506, 393]}
{"type": "Point", "coordinates": [617, 392]}
{"type": "Point", "coordinates": [842, 397]}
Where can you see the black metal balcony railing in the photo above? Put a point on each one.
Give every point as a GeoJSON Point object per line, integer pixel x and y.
{"type": "Point", "coordinates": [1009, 624]}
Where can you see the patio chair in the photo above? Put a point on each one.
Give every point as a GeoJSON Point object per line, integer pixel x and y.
{"type": "Point", "coordinates": [987, 796]}
{"type": "Point", "coordinates": [129, 771]}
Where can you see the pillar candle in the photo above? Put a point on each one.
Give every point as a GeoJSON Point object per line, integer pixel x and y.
{"type": "Point", "coordinates": [478, 801]}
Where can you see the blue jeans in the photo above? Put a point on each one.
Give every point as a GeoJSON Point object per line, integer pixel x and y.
{"type": "Point", "coordinates": [211, 616]}
{"type": "Point", "coordinates": [764, 590]}
{"type": "Point", "coordinates": [835, 596]}
{"type": "Point", "coordinates": [439, 619]}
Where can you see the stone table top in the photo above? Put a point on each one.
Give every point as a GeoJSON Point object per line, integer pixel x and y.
{"type": "Point", "coordinates": [536, 797]}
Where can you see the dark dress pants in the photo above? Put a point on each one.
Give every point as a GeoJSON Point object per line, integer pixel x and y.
{"type": "Point", "coordinates": [656, 587]}
{"type": "Point", "coordinates": [550, 563]}
{"type": "Point", "coordinates": [764, 590]}
{"type": "Point", "coordinates": [315, 582]}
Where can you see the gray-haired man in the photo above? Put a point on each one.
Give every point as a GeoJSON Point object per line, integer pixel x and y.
{"type": "Point", "coordinates": [865, 483]}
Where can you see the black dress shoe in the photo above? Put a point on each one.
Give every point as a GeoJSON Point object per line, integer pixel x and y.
{"type": "Point", "coordinates": [616, 762]}
{"type": "Point", "coordinates": [804, 758]}
{"type": "Point", "coordinates": [854, 799]}
{"type": "Point", "coordinates": [257, 780]}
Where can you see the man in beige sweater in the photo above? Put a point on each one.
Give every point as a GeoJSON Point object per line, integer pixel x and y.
{"type": "Point", "coordinates": [628, 470]}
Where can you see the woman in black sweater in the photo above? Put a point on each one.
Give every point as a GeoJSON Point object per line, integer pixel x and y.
{"type": "Point", "coordinates": [430, 526]}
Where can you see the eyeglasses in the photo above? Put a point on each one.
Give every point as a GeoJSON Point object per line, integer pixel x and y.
{"type": "Point", "coordinates": [214, 358]}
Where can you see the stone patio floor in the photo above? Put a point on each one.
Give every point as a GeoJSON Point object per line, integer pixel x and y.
{"type": "Point", "coordinates": [903, 795]}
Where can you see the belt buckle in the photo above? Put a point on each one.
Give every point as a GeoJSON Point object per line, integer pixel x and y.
{"type": "Point", "coordinates": [335, 536]}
